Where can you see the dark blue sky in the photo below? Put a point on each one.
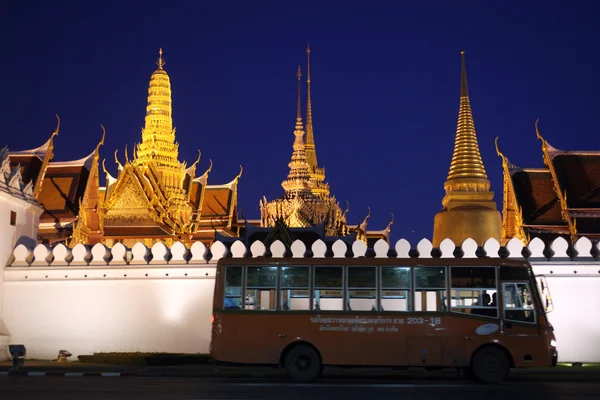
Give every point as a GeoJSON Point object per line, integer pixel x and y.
{"type": "Point", "coordinates": [385, 76]}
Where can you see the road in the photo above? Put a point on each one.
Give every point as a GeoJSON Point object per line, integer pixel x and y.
{"type": "Point", "coordinates": [89, 388]}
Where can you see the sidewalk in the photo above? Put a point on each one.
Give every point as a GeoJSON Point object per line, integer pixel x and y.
{"type": "Point", "coordinates": [49, 368]}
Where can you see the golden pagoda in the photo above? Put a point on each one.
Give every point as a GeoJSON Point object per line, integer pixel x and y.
{"type": "Point", "coordinates": [154, 198]}
{"type": "Point", "coordinates": [300, 207]}
{"type": "Point", "coordinates": [307, 202]}
{"type": "Point", "coordinates": [469, 209]}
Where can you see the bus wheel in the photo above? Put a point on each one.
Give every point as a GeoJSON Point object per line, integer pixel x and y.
{"type": "Point", "coordinates": [490, 365]}
{"type": "Point", "coordinates": [302, 364]}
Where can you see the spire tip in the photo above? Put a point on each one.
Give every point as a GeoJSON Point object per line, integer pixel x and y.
{"type": "Point", "coordinates": [161, 62]}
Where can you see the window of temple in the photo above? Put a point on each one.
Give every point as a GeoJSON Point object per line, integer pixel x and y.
{"type": "Point", "coordinates": [13, 218]}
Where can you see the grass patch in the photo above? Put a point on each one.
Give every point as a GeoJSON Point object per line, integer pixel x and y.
{"type": "Point", "coordinates": [145, 359]}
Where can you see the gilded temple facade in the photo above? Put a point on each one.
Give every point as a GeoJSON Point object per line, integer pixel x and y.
{"type": "Point", "coordinates": [153, 198]}
{"type": "Point", "coordinates": [307, 201]}
{"type": "Point", "coordinates": [560, 199]}
{"type": "Point", "coordinates": [468, 208]}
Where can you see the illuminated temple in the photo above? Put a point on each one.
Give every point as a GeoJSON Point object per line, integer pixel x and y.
{"type": "Point", "coordinates": [306, 210]}
{"type": "Point", "coordinates": [560, 199]}
{"type": "Point", "coordinates": [469, 209]}
{"type": "Point", "coordinates": [154, 196]}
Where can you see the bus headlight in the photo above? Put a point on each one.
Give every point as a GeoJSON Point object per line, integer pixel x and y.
{"type": "Point", "coordinates": [553, 343]}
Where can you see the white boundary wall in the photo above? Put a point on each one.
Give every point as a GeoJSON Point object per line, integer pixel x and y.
{"type": "Point", "coordinates": [88, 300]}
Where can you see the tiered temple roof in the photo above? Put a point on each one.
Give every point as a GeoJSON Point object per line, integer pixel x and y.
{"type": "Point", "coordinates": [153, 198]}
{"type": "Point", "coordinates": [562, 199]}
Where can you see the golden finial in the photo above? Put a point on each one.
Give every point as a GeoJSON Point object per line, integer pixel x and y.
{"type": "Point", "coordinates": [537, 131]}
{"type": "Point", "coordinates": [240, 174]}
{"type": "Point", "coordinates": [497, 148]}
{"type": "Point", "coordinates": [298, 113]}
{"type": "Point", "coordinates": [308, 67]}
{"type": "Point", "coordinates": [104, 166]}
{"type": "Point", "coordinates": [101, 143]}
{"type": "Point", "coordinates": [120, 167]}
{"type": "Point", "coordinates": [126, 155]}
{"type": "Point", "coordinates": [464, 89]}
{"type": "Point", "coordinates": [161, 62]}
{"type": "Point", "coordinates": [55, 133]}
{"type": "Point", "coordinates": [390, 224]}
{"type": "Point", "coordinates": [198, 159]}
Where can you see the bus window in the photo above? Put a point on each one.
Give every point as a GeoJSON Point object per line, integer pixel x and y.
{"type": "Point", "coordinates": [395, 288]}
{"type": "Point", "coordinates": [430, 289]}
{"type": "Point", "coordinates": [473, 290]}
{"type": "Point", "coordinates": [233, 288]}
{"type": "Point", "coordinates": [518, 303]}
{"type": "Point", "coordinates": [260, 288]}
{"type": "Point", "coordinates": [362, 288]}
{"type": "Point", "coordinates": [295, 288]}
{"type": "Point", "coordinates": [328, 294]}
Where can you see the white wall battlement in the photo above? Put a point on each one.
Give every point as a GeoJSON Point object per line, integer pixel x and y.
{"type": "Point", "coordinates": [198, 253]}
{"type": "Point", "coordinates": [92, 299]}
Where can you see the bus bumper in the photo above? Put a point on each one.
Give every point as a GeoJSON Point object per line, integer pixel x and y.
{"type": "Point", "coordinates": [554, 358]}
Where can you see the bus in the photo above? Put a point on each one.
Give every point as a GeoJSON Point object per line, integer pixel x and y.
{"type": "Point", "coordinates": [482, 316]}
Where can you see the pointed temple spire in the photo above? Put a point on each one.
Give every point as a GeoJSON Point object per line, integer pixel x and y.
{"type": "Point", "coordinates": [469, 209]}
{"type": "Point", "coordinates": [317, 174]}
{"type": "Point", "coordinates": [466, 160]}
{"type": "Point", "coordinates": [298, 179]}
{"type": "Point", "coordinates": [311, 154]}
{"type": "Point", "coordinates": [158, 136]}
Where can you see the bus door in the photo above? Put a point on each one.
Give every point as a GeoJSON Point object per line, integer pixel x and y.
{"type": "Point", "coordinates": [519, 315]}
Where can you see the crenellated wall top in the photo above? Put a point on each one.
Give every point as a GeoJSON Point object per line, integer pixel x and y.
{"type": "Point", "coordinates": [159, 254]}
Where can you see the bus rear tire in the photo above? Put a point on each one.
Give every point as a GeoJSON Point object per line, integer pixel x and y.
{"type": "Point", "coordinates": [490, 365]}
{"type": "Point", "coordinates": [302, 364]}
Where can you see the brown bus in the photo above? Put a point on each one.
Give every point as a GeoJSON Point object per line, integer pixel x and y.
{"type": "Point", "coordinates": [483, 315]}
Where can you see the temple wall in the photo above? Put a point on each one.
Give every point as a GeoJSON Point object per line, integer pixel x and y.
{"type": "Point", "coordinates": [17, 228]}
{"type": "Point", "coordinates": [88, 300]}
{"type": "Point", "coordinates": [136, 313]}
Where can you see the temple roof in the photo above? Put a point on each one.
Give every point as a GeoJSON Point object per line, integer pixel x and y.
{"type": "Point", "coordinates": [63, 186]}
{"type": "Point", "coordinates": [579, 176]}
{"type": "Point", "coordinates": [534, 190]}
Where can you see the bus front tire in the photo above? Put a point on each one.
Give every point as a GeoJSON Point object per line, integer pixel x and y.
{"type": "Point", "coordinates": [490, 365]}
{"type": "Point", "coordinates": [302, 364]}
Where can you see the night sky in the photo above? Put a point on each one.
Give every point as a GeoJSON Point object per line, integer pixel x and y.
{"type": "Point", "coordinates": [385, 88]}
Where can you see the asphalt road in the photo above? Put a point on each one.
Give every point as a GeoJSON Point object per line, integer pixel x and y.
{"type": "Point", "coordinates": [67, 388]}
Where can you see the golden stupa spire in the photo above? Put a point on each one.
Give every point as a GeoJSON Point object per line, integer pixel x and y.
{"type": "Point", "coordinates": [298, 179]}
{"type": "Point", "coordinates": [467, 172]}
{"type": "Point", "coordinates": [158, 136]}
{"type": "Point", "coordinates": [469, 209]}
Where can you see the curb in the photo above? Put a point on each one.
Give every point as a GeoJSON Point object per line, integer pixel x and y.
{"type": "Point", "coordinates": [70, 374]}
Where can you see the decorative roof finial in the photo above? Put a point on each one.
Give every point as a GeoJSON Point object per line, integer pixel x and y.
{"type": "Point", "coordinates": [161, 62]}
{"type": "Point", "coordinates": [299, 112]}
{"type": "Point", "coordinates": [464, 89]}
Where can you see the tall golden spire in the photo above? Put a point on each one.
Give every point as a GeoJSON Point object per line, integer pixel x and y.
{"type": "Point", "coordinates": [466, 169]}
{"type": "Point", "coordinates": [298, 179]}
{"type": "Point", "coordinates": [469, 209]}
{"type": "Point", "coordinates": [317, 175]}
{"type": "Point", "coordinates": [311, 154]}
{"type": "Point", "coordinates": [158, 136]}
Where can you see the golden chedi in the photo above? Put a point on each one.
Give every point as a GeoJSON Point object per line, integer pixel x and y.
{"type": "Point", "coordinates": [469, 209]}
